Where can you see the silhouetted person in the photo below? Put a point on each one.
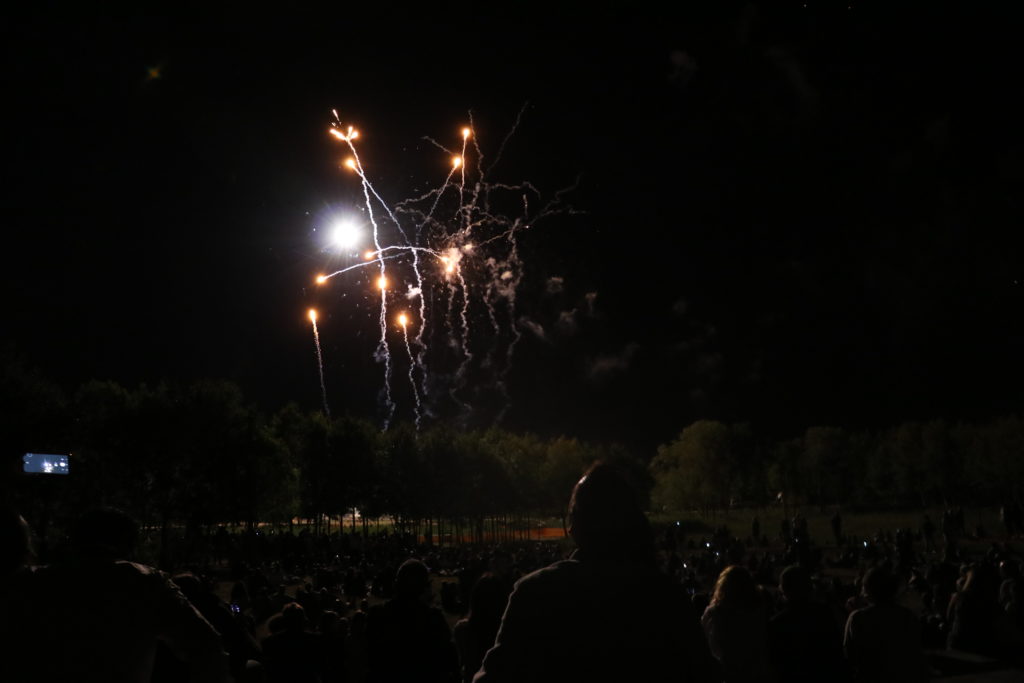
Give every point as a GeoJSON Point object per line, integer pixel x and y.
{"type": "Point", "coordinates": [334, 635]}
{"type": "Point", "coordinates": [241, 646]}
{"type": "Point", "coordinates": [736, 625]}
{"type": "Point", "coordinates": [883, 640]}
{"type": "Point", "coordinates": [292, 654]}
{"type": "Point", "coordinates": [15, 574]}
{"type": "Point", "coordinates": [974, 611]}
{"type": "Point", "coordinates": [408, 639]}
{"type": "Point", "coordinates": [1011, 592]}
{"type": "Point", "coordinates": [837, 527]}
{"type": "Point", "coordinates": [803, 639]}
{"type": "Point", "coordinates": [928, 533]}
{"type": "Point", "coordinates": [475, 634]}
{"type": "Point", "coordinates": [605, 614]}
{"type": "Point", "coordinates": [357, 650]}
{"type": "Point", "coordinates": [98, 617]}
{"type": "Point", "coordinates": [15, 543]}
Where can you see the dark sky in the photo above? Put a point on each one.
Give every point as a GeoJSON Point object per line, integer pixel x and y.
{"type": "Point", "coordinates": [803, 215]}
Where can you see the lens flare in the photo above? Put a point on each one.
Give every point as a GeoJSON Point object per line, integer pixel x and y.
{"type": "Point", "coordinates": [346, 234]}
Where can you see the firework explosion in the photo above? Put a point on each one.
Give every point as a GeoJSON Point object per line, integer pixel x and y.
{"type": "Point", "coordinates": [448, 266]}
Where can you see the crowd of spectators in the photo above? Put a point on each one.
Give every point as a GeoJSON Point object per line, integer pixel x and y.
{"type": "Point", "coordinates": [375, 608]}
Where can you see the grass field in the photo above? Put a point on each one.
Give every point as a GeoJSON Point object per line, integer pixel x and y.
{"type": "Point", "coordinates": [855, 524]}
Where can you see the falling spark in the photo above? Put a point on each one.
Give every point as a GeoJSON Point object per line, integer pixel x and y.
{"type": "Point", "coordinates": [403, 320]}
{"type": "Point", "coordinates": [319, 361]}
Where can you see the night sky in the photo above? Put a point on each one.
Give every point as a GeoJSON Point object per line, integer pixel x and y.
{"type": "Point", "coordinates": [797, 216]}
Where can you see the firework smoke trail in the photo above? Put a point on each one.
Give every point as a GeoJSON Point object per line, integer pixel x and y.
{"type": "Point", "coordinates": [489, 297]}
{"type": "Point", "coordinates": [421, 355]}
{"type": "Point", "coordinates": [512, 276]}
{"type": "Point", "coordinates": [319, 361]}
{"type": "Point", "coordinates": [403, 320]}
{"type": "Point", "coordinates": [467, 355]}
{"type": "Point", "coordinates": [508, 136]}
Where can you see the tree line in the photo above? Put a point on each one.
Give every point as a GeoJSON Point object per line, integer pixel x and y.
{"type": "Point", "coordinates": [198, 453]}
{"type": "Point", "coordinates": [713, 465]}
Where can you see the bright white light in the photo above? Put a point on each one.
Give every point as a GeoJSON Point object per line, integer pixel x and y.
{"type": "Point", "coordinates": [346, 234]}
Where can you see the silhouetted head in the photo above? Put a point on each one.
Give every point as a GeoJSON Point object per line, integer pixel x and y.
{"type": "Point", "coordinates": [411, 580]}
{"type": "Point", "coordinates": [735, 587]}
{"type": "Point", "coordinates": [1008, 569]}
{"type": "Point", "coordinates": [331, 624]}
{"type": "Point", "coordinates": [293, 617]}
{"type": "Point", "coordinates": [879, 585]}
{"type": "Point", "coordinates": [488, 599]}
{"type": "Point", "coordinates": [15, 544]}
{"type": "Point", "coordinates": [190, 586]}
{"type": "Point", "coordinates": [982, 579]}
{"type": "Point", "coordinates": [795, 583]}
{"type": "Point", "coordinates": [357, 624]}
{"type": "Point", "coordinates": [105, 533]}
{"type": "Point", "coordinates": [605, 518]}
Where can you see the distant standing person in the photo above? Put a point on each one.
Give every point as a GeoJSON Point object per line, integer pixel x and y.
{"type": "Point", "coordinates": [837, 528]}
{"type": "Point", "coordinates": [928, 533]}
{"type": "Point", "coordinates": [605, 614]}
